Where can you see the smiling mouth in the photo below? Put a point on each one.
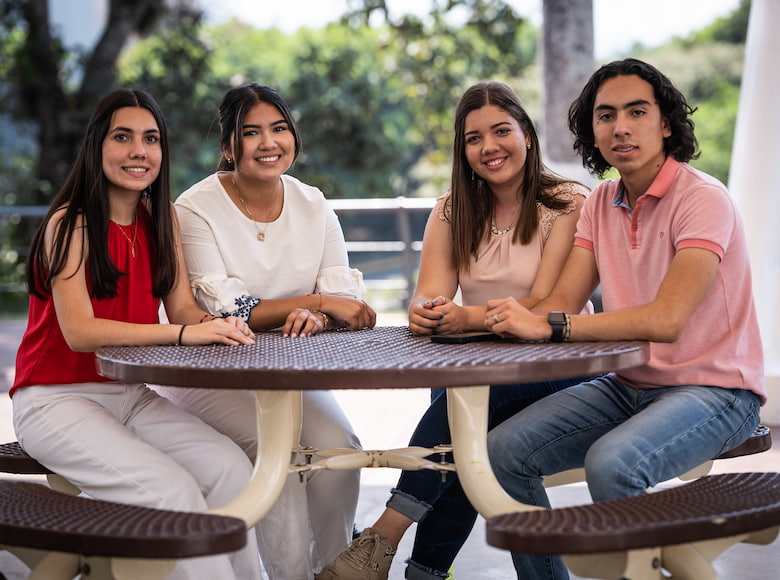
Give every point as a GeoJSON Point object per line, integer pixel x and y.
{"type": "Point", "coordinates": [495, 162]}
{"type": "Point", "coordinates": [136, 170]}
{"type": "Point", "coordinates": [270, 159]}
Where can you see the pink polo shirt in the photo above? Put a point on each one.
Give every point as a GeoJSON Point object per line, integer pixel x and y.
{"type": "Point", "coordinates": [683, 208]}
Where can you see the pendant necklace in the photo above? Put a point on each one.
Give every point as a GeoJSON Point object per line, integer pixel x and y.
{"type": "Point", "coordinates": [129, 241]}
{"type": "Point", "coordinates": [260, 233]}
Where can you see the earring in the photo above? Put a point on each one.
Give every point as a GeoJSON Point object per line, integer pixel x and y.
{"type": "Point", "coordinates": [528, 146]}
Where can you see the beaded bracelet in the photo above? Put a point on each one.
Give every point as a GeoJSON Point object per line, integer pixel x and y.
{"type": "Point", "coordinates": [325, 319]}
{"type": "Point", "coordinates": [181, 333]}
{"type": "Point", "coordinates": [207, 317]}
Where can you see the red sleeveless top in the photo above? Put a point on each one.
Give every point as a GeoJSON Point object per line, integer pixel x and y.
{"type": "Point", "coordinates": [44, 358]}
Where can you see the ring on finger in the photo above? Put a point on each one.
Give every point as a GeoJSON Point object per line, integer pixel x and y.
{"type": "Point", "coordinates": [495, 318]}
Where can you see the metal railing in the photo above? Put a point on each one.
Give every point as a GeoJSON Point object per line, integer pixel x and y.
{"type": "Point", "coordinates": [405, 217]}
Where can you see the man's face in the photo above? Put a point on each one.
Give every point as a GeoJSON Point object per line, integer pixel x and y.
{"type": "Point", "coordinates": [628, 127]}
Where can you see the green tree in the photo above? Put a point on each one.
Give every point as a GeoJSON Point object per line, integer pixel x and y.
{"type": "Point", "coordinates": [175, 66]}
{"type": "Point", "coordinates": [41, 72]}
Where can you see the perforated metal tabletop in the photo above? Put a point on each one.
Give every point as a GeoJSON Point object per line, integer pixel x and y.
{"type": "Point", "coordinates": [383, 357]}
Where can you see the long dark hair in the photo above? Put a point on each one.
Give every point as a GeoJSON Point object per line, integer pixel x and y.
{"type": "Point", "coordinates": [472, 199]}
{"type": "Point", "coordinates": [681, 144]}
{"type": "Point", "coordinates": [84, 200]}
{"type": "Point", "coordinates": [232, 112]}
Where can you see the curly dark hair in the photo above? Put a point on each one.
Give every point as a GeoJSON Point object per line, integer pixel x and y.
{"type": "Point", "coordinates": [681, 144]}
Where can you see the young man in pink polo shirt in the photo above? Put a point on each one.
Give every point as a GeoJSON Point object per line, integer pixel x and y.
{"type": "Point", "coordinates": [667, 245]}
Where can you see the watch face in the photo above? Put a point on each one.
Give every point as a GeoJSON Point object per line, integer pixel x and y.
{"type": "Point", "coordinates": [556, 318]}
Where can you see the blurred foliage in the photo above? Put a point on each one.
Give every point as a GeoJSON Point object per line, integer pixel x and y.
{"type": "Point", "coordinates": [384, 93]}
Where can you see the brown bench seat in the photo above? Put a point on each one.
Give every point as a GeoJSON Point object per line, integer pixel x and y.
{"type": "Point", "coordinates": [713, 506]}
{"type": "Point", "coordinates": [13, 459]}
{"type": "Point", "coordinates": [648, 533]}
{"type": "Point", "coordinates": [34, 516]}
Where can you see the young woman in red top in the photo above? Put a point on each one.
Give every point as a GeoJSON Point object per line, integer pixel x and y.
{"type": "Point", "coordinates": [106, 254]}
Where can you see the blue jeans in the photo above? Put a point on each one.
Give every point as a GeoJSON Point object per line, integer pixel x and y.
{"type": "Point", "coordinates": [627, 439]}
{"type": "Point", "coordinates": [442, 509]}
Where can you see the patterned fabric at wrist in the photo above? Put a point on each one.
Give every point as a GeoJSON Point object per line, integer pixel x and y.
{"type": "Point", "coordinates": [325, 319]}
{"type": "Point", "coordinates": [244, 305]}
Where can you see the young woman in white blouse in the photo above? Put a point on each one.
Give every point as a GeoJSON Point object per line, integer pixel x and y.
{"type": "Point", "coordinates": [263, 246]}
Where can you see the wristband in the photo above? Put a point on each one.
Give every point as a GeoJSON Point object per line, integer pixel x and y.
{"type": "Point", "coordinates": [181, 333]}
{"type": "Point", "coordinates": [560, 326]}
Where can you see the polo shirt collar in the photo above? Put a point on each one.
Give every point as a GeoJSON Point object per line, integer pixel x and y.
{"type": "Point", "coordinates": [659, 187]}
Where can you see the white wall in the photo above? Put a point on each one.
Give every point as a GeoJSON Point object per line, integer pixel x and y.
{"type": "Point", "coordinates": [754, 179]}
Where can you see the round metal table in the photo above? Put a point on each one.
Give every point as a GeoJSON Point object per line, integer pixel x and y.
{"type": "Point", "coordinates": [279, 368]}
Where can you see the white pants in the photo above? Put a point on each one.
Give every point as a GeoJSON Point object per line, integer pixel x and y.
{"type": "Point", "coordinates": [124, 443]}
{"type": "Point", "coordinates": [311, 523]}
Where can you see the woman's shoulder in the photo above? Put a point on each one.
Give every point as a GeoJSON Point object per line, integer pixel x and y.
{"type": "Point", "coordinates": [566, 190]}
{"type": "Point", "coordinates": [443, 206]}
{"type": "Point", "coordinates": [199, 191]}
{"type": "Point", "coordinates": [295, 189]}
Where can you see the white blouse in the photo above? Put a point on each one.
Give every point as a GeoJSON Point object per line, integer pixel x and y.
{"type": "Point", "coordinates": [230, 271]}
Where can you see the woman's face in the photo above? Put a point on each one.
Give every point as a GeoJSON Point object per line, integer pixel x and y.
{"type": "Point", "coordinates": [268, 144]}
{"type": "Point", "coordinates": [496, 147]}
{"type": "Point", "coordinates": [132, 153]}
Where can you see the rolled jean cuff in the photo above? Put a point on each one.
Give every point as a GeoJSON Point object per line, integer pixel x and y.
{"type": "Point", "coordinates": [408, 505]}
{"type": "Point", "coordinates": [415, 571]}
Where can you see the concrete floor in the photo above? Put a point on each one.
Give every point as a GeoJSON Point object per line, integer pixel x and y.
{"type": "Point", "coordinates": [385, 419]}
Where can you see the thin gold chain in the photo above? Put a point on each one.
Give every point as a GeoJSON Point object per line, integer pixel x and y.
{"type": "Point", "coordinates": [129, 241]}
{"type": "Point", "coordinates": [260, 234]}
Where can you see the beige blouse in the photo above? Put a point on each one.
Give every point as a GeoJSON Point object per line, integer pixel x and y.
{"type": "Point", "coordinates": [502, 268]}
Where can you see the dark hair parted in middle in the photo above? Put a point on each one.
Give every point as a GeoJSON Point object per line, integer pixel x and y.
{"type": "Point", "coordinates": [232, 112]}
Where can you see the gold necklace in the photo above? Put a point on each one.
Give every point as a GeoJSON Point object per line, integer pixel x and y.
{"type": "Point", "coordinates": [260, 233]}
{"type": "Point", "coordinates": [129, 241]}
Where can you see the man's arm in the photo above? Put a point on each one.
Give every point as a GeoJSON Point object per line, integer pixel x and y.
{"type": "Point", "coordinates": [681, 292]}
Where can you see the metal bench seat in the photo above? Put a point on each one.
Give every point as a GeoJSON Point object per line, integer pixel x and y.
{"type": "Point", "coordinates": [13, 459]}
{"type": "Point", "coordinates": [36, 521]}
{"type": "Point", "coordinates": [712, 512]}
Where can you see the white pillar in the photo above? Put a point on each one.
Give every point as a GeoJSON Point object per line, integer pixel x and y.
{"type": "Point", "coordinates": [754, 178]}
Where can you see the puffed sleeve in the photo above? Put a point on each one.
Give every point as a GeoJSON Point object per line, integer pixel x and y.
{"type": "Point", "coordinates": [214, 290]}
{"type": "Point", "coordinates": [341, 281]}
{"type": "Point", "coordinates": [335, 276]}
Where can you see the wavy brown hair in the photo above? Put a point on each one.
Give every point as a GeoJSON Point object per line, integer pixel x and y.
{"type": "Point", "coordinates": [472, 200]}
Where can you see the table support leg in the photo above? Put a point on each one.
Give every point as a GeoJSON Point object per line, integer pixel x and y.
{"type": "Point", "coordinates": [278, 432]}
{"type": "Point", "coordinates": [467, 409]}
